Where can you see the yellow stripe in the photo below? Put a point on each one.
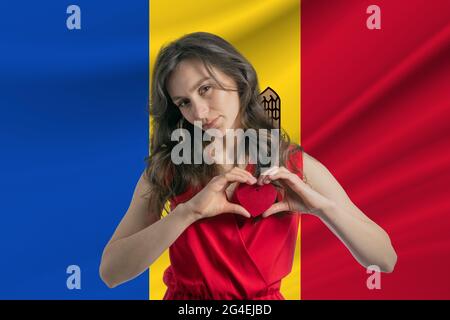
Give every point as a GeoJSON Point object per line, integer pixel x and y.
{"type": "Point", "coordinates": [268, 34]}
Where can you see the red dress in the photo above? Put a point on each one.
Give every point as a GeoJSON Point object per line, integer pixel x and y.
{"type": "Point", "coordinates": [230, 257]}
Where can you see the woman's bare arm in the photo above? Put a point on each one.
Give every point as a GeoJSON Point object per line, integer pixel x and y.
{"type": "Point", "coordinates": [323, 197]}
{"type": "Point", "coordinates": [367, 241]}
{"type": "Point", "coordinates": [141, 237]}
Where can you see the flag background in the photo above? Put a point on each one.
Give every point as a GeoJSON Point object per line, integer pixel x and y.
{"type": "Point", "coordinates": [73, 139]}
{"type": "Point", "coordinates": [74, 132]}
{"type": "Point", "coordinates": [376, 111]}
{"type": "Point", "coordinates": [267, 33]}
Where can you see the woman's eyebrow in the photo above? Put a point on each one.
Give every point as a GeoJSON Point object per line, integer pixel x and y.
{"type": "Point", "coordinates": [193, 87]}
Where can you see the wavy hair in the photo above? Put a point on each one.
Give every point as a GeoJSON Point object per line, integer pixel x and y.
{"type": "Point", "coordinates": [167, 179]}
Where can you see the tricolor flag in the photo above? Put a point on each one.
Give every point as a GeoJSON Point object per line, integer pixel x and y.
{"type": "Point", "coordinates": [363, 86]}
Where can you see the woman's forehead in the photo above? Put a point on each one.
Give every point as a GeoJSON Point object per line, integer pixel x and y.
{"type": "Point", "coordinates": [187, 75]}
{"type": "Point", "coordinates": [188, 71]}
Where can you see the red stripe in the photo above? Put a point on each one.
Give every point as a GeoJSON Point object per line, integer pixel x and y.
{"type": "Point", "coordinates": [376, 112]}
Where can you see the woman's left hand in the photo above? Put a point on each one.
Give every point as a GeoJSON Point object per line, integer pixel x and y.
{"type": "Point", "coordinates": [297, 195]}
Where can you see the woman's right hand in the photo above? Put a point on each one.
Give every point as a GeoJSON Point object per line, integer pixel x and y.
{"type": "Point", "coordinates": [212, 199]}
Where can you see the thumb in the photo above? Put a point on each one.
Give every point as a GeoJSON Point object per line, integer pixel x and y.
{"type": "Point", "coordinates": [275, 208]}
{"type": "Point", "coordinates": [235, 208]}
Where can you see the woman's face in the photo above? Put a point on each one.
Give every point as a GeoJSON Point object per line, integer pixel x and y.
{"type": "Point", "coordinates": [200, 98]}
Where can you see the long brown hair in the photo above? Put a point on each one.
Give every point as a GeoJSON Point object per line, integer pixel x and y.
{"type": "Point", "coordinates": [167, 179]}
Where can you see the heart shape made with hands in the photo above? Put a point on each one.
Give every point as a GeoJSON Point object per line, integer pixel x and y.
{"type": "Point", "coordinates": [255, 198]}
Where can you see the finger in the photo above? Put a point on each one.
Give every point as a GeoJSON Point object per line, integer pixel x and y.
{"type": "Point", "coordinates": [242, 177]}
{"type": "Point", "coordinates": [225, 180]}
{"type": "Point", "coordinates": [275, 208]}
{"type": "Point", "coordinates": [263, 176]}
{"type": "Point", "coordinates": [222, 182]}
{"type": "Point", "coordinates": [231, 178]}
{"type": "Point", "coordinates": [292, 180]}
{"type": "Point", "coordinates": [271, 170]}
{"type": "Point", "coordinates": [300, 178]}
{"type": "Point", "coordinates": [248, 176]}
{"type": "Point", "coordinates": [238, 170]}
{"type": "Point", "coordinates": [237, 209]}
{"type": "Point", "coordinates": [241, 172]}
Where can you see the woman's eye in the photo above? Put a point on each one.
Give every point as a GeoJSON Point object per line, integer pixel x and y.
{"type": "Point", "coordinates": [204, 89]}
{"type": "Point", "coordinates": [182, 104]}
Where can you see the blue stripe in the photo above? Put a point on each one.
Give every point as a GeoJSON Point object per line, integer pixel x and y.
{"type": "Point", "coordinates": [73, 137]}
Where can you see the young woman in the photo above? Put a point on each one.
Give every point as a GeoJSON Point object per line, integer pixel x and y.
{"type": "Point", "coordinates": [217, 249]}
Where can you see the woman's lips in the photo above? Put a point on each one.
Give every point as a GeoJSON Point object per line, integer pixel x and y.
{"type": "Point", "coordinates": [212, 124]}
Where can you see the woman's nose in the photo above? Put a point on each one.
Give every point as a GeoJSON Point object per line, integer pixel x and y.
{"type": "Point", "coordinates": [200, 110]}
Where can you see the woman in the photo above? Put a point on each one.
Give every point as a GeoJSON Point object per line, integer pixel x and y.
{"type": "Point", "coordinates": [217, 250]}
